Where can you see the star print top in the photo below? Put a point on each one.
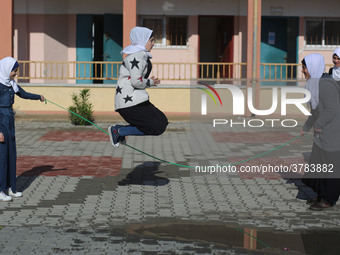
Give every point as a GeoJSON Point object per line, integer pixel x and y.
{"type": "Point", "coordinates": [132, 80]}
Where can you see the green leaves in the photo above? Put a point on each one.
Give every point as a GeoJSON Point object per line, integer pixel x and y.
{"type": "Point", "coordinates": [83, 107]}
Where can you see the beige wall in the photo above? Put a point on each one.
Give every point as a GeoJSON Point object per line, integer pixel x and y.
{"type": "Point", "coordinates": [174, 101]}
{"type": "Point", "coordinates": [38, 38]}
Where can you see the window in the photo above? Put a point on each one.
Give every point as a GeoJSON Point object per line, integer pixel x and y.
{"type": "Point", "coordinates": [177, 31]}
{"type": "Point", "coordinates": [169, 31]}
{"type": "Point", "coordinates": [322, 32]}
{"type": "Point", "coordinates": [157, 26]}
{"type": "Point", "coordinates": [314, 32]}
{"type": "Point", "coordinates": [332, 32]}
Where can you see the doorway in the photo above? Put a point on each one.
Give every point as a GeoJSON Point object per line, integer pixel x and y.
{"type": "Point", "coordinates": [278, 45]}
{"type": "Point", "coordinates": [99, 38]}
{"type": "Point", "coordinates": [216, 45]}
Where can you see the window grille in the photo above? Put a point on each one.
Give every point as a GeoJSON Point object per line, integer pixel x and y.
{"type": "Point", "coordinates": [322, 32]}
{"type": "Point", "coordinates": [169, 31]}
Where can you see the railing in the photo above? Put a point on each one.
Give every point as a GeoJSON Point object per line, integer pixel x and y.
{"type": "Point", "coordinates": [72, 70]}
{"type": "Point", "coordinates": [99, 72]}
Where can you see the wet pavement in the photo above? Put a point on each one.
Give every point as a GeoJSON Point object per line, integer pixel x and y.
{"type": "Point", "coordinates": [82, 196]}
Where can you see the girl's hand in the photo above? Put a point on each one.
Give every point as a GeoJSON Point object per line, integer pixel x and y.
{"type": "Point", "coordinates": [155, 80]}
{"type": "Point", "coordinates": [302, 133]}
{"type": "Point", "coordinates": [2, 138]}
{"type": "Point", "coordinates": [42, 98]}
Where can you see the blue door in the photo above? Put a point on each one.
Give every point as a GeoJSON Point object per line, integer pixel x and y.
{"type": "Point", "coordinates": [99, 38]}
{"type": "Point", "coordinates": [279, 40]}
{"type": "Point", "coordinates": [112, 45]}
{"type": "Point", "coordinates": [273, 48]}
{"type": "Point", "coordinates": [84, 46]}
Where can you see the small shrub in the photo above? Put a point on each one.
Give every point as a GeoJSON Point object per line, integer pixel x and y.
{"type": "Point", "coordinates": [82, 107]}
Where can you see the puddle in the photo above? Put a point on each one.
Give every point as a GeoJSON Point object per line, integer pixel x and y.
{"type": "Point", "coordinates": [241, 240]}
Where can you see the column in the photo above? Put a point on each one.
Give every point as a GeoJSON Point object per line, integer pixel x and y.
{"type": "Point", "coordinates": [254, 48]}
{"type": "Point", "coordinates": [129, 19]}
{"type": "Point", "coordinates": [6, 28]}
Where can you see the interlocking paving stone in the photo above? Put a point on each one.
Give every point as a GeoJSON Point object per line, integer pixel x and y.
{"type": "Point", "coordinates": [75, 182]}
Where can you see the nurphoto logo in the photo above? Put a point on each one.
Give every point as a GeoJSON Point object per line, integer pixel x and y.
{"type": "Point", "coordinates": [239, 101]}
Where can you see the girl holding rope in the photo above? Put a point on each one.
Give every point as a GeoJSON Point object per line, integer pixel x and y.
{"type": "Point", "coordinates": [8, 154]}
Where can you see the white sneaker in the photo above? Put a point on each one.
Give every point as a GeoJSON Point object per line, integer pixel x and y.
{"type": "Point", "coordinates": [16, 194]}
{"type": "Point", "coordinates": [4, 197]}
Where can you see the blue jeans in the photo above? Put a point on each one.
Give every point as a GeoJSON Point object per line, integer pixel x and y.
{"type": "Point", "coordinates": [8, 151]}
{"type": "Point", "coordinates": [130, 130]}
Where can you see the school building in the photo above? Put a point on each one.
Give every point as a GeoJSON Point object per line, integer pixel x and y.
{"type": "Point", "coordinates": [66, 45]}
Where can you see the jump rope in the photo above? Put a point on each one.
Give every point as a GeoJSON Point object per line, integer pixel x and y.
{"type": "Point", "coordinates": [168, 162]}
{"type": "Point", "coordinates": [172, 163]}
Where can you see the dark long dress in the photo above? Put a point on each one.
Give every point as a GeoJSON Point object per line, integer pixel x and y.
{"type": "Point", "coordinates": [325, 184]}
{"type": "Point", "coordinates": [8, 152]}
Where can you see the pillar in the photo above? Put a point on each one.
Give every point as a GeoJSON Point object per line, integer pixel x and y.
{"type": "Point", "coordinates": [6, 28]}
{"type": "Point", "coordinates": [254, 48]}
{"type": "Point", "coordinates": [129, 19]}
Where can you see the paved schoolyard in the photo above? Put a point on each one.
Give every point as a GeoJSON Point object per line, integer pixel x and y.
{"type": "Point", "coordinates": [82, 196]}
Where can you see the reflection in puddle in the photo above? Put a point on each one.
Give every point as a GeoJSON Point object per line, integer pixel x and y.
{"type": "Point", "coordinates": [244, 241]}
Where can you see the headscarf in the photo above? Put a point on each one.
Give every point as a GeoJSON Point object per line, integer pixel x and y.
{"type": "Point", "coordinates": [315, 64]}
{"type": "Point", "coordinates": [139, 36]}
{"type": "Point", "coordinates": [336, 70]}
{"type": "Point", "coordinates": [7, 65]}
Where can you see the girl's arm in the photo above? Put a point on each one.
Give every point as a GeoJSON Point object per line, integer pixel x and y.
{"type": "Point", "coordinates": [26, 95]}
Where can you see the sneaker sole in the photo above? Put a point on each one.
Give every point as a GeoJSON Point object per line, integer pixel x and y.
{"type": "Point", "coordinates": [116, 145]}
{"type": "Point", "coordinates": [5, 200]}
{"type": "Point", "coordinates": [16, 196]}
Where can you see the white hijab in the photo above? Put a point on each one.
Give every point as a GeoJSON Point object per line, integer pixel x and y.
{"type": "Point", "coordinates": [139, 36]}
{"type": "Point", "coordinates": [336, 70]}
{"type": "Point", "coordinates": [6, 66]}
{"type": "Point", "coordinates": [316, 66]}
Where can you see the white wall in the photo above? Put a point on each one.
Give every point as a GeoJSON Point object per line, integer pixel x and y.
{"type": "Point", "coordinates": [309, 8]}
{"type": "Point", "coordinates": [192, 7]}
{"type": "Point", "coordinates": [67, 6]}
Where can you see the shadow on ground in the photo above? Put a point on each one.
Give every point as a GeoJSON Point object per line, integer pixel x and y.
{"type": "Point", "coordinates": [145, 174]}
{"type": "Point", "coordinates": [25, 179]}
